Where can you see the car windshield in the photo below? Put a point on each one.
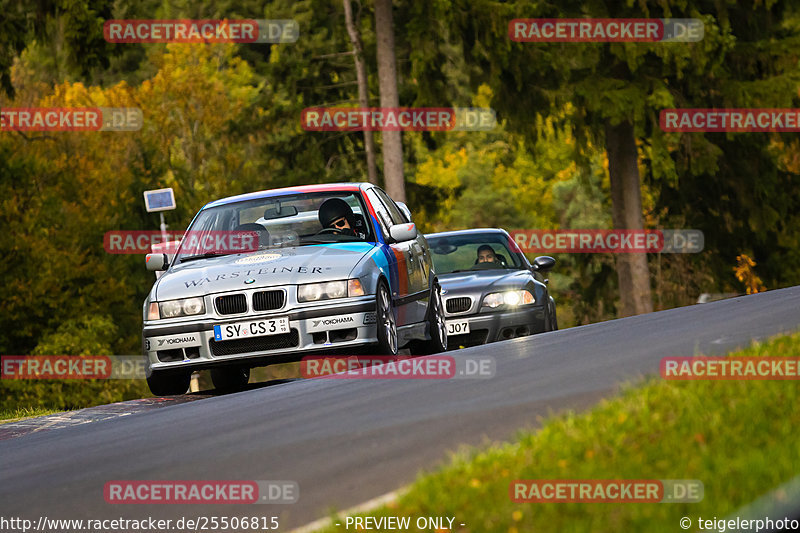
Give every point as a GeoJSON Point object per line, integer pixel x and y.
{"type": "Point", "coordinates": [276, 221]}
{"type": "Point", "coordinates": [479, 251]}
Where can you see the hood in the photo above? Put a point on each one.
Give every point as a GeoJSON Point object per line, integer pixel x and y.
{"type": "Point", "coordinates": [479, 281]}
{"type": "Point", "coordinates": [275, 267]}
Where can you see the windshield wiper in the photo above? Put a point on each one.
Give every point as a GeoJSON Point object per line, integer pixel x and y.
{"type": "Point", "coordinates": [203, 256]}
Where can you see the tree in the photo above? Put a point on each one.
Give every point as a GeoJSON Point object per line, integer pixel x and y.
{"type": "Point", "coordinates": [363, 89]}
{"type": "Point", "coordinates": [747, 56]}
{"type": "Point", "coordinates": [387, 78]}
{"type": "Point", "coordinates": [75, 26]}
{"type": "Point", "coordinates": [626, 205]}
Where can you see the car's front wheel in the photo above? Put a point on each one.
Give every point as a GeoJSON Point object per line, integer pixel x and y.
{"type": "Point", "coordinates": [386, 322]}
{"type": "Point", "coordinates": [169, 382]}
{"type": "Point", "coordinates": [436, 327]}
{"type": "Point", "coordinates": [553, 317]}
{"type": "Point", "coordinates": [230, 378]}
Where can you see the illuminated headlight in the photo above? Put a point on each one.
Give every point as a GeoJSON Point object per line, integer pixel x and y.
{"type": "Point", "coordinates": [509, 298]}
{"type": "Point", "coordinates": [313, 292]}
{"type": "Point", "coordinates": [187, 307]}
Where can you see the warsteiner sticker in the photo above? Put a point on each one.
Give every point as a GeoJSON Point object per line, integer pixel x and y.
{"type": "Point", "coordinates": [257, 258]}
{"type": "Point", "coordinates": [254, 272]}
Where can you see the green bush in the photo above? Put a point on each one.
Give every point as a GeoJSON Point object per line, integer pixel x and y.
{"type": "Point", "coordinates": [88, 335]}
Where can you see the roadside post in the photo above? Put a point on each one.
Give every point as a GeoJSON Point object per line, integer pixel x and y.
{"type": "Point", "coordinates": [160, 200]}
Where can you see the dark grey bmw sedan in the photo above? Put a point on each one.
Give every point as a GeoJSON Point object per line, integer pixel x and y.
{"type": "Point", "coordinates": [490, 289]}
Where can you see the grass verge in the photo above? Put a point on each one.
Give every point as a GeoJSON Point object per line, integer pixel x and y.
{"type": "Point", "coordinates": [21, 413]}
{"type": "Point", "coordinates": [738, 437]}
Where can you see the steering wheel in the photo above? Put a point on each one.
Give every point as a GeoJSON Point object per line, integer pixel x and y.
{"type": "Point", "coordinates": [487, 265]}
{"type": "Point", "coordinates": [335, 231]}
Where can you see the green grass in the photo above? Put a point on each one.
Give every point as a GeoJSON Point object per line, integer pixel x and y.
{"type": "Point", "coordinates": [21, 413]}
{"type": "Point", "coordinates": [740, 438]}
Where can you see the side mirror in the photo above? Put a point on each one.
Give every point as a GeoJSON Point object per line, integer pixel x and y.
{"type": "Point", "coordinates": [404, 208]}
{"type": "Point", "coordinates": [403, 232]}
{"type": "Point", "coordinates": [543, 263]}
{"type": "Point", "coordinates": [156, 262]}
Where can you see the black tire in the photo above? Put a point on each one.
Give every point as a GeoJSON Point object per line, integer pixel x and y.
{"type": "Point", "coordinates": [169, 382]}
{"type": "Point", "coordinates": [385, 321]}
{"type": "Point", "coordinates": [230, 378]}
{"type": "Point", "coordinates": [436, 326]}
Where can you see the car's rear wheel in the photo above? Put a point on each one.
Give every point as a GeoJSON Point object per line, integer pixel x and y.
{"type": "Point", "coordinates": [169, 382]}
{"type": "Point", "coordinates": [436, 326]}
{"type": "Point", "coordinates": [230, 378]}
{"type": "Point", "coordinates": [386, 322]}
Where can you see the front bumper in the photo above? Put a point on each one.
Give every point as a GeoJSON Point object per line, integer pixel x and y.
{"type": "Point", "coordinates": [488, 327]}
{"type": "Point", "coordinates": [189, 343]}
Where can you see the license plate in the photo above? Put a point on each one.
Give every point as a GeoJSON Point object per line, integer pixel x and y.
{"type": "Point", "coordinates": [252, 328]}
{"type": "Point", "coordinates": [457, 327]}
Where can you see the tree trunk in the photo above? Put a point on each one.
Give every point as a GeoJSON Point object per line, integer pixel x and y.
{"type": "Point", "coordinates": [361, 77]}
{"type": "Point", "coordinates": [387, 80]}
{"type": "Point", "coordinates": [626, 207]}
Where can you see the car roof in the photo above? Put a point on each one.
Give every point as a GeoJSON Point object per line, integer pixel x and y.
{"type": "Point", "coordinates": [474, 231]}
{"type": "Point", "coordinates": [321, 187]}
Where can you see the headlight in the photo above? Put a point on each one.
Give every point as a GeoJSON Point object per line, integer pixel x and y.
{"type": "Point", "coordinates": [309, 293]}
{"type": "Point", "coordinates": [336, 289]}
{"type": "Point", "coordinates": [313, 292]}
{"type": "Point", "coordinates": [171, 309]}
{"type": "Point", "coordinates": [187, 307]}
{"type": "Point", "coordinates": [493, 300]}
{"type": "Point", "coordinates": [509, 298]}
{"type": "Point", "coordinates": [193, 306]}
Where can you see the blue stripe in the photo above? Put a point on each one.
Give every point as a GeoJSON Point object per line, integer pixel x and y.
{"type": "Point", "coordinates": [390, 268]}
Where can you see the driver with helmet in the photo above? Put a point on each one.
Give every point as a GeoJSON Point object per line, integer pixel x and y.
{"type": "Point", "coordinates": [336, 214]}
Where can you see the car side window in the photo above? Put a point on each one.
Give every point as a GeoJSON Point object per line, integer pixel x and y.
{"type": "Point", "coordinates": [391, 207]}
{"type": "Point", "coordinates": [384, 219]}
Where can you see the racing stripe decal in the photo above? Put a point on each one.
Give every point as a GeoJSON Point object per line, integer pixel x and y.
{"type": "Point", "coordinates": [391, 263]}
{"type": "Point", "coordinates": [382, 262]}
{"type": "Point", "coordinates": [377, 228]}
{"type": "Point", "coordinates": [402, 272]}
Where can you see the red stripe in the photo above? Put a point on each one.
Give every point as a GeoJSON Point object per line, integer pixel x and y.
{"type": "Point", "coordinates": [402, 271]}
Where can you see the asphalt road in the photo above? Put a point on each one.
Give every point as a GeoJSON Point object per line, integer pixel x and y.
{"type": "Point", "coordinates": [345, 442]}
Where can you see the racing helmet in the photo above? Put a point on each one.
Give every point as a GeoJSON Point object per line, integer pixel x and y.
{"type": "Point", "coordinates": [334, 208]}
